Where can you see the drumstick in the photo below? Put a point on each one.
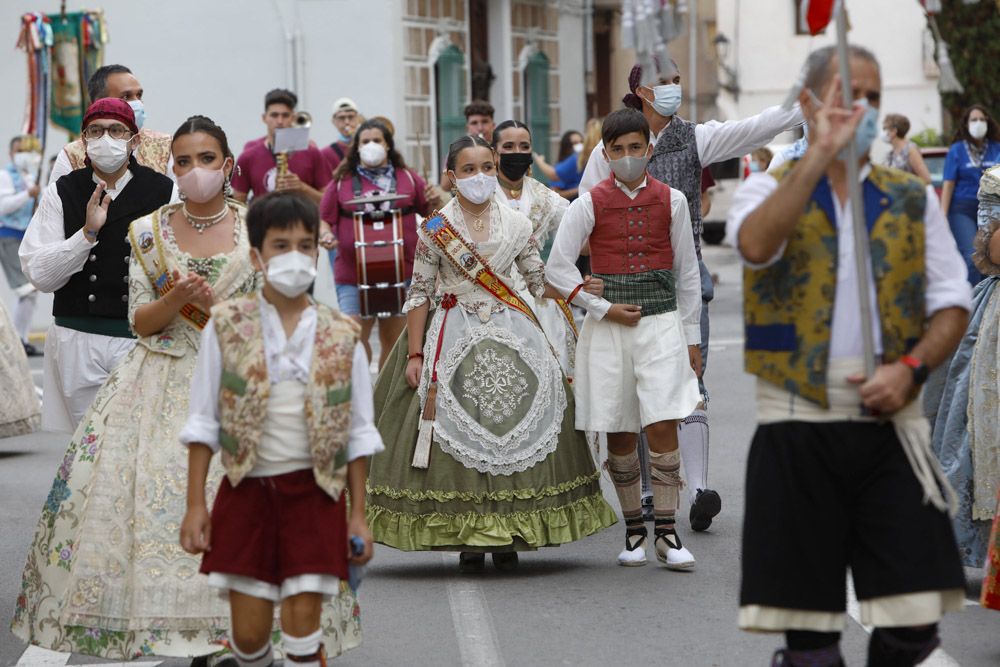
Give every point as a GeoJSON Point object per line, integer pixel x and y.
{"type": "Point", "coordinates": [423, 161]}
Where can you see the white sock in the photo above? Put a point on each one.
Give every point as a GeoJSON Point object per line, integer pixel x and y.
{"type": "Point", "coordinates": [692, 435]}
{"type": "Point", "coordinates": [261, 658]}
{"type": "Point", "coordinates": [24, 310]}
{"type": "Point", "coordinates": [301, 647]}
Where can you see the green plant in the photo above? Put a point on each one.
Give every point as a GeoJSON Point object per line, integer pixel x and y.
{"type": "Point", "coordinates": [927, 138]}
{"type": "Point", "coordinates": [971, 32]}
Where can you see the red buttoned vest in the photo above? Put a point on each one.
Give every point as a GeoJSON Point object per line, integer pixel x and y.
{"type": "Point", "coordinates": [631, 235]}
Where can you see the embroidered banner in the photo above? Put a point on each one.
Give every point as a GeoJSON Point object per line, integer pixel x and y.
{"type": "Point", "coordinates": [157, 269]}
{"type": "Point", "coordinates": [472, 264]}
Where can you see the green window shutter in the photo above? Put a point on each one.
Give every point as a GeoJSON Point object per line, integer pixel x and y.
{"type": "Point", "coordinates": [536, 86]}
{"type": "Point", "coordinates": [449, 72]}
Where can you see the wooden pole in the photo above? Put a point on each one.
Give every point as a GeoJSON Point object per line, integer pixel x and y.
{"type": "Point", "coordinates": [861, 254]}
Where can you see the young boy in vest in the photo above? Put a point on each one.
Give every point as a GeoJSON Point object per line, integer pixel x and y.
{"type": "Point", "coordinates": [638, 356]}
{"type": "Point", "coordinates": [282, 388]}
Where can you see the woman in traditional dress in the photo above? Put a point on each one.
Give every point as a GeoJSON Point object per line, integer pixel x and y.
{"type": "Point", "coordinates": [966, 436]}
{"type": "Point", "coordinates": [106, 574]}
{"type": "Point", "coordinates": [497, 465]}
{"type": "Point", "coordinates": [19, 407]}
{"type": "Point", "coordinates": [519, 191]}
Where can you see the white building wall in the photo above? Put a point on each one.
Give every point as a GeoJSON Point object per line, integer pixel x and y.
{"type": "Point", "coordinates": [769, 55]}
{"type": "Point", "coordinates": [572, 68]}
{"type": "Point", "coordinates": [220, 57]}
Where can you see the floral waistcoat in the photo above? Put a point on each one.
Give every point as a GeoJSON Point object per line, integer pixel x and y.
{"type": "Point", "coordinates": [246, 386]}
{"type": "Point", "coordinates": [788, 306]}
{"type": "Point", "coordinates": [153, 151]}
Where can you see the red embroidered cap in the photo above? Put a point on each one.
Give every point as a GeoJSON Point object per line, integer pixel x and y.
{"type": "Point", "coordinates": [111, 108]}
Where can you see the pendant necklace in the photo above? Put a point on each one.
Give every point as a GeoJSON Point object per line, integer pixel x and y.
{"type": "Point", "coordinates": [477, 220]}
{"type": "Point", "coordinates": [201, 223]}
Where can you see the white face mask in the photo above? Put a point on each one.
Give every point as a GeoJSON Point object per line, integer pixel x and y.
{"type": "Point", "coordinates": [108, 154]}
{"type": "Point", "coordinates": [977, 128]}
{"type": "Point", "coordinates": [577, 148]}
{"type": "Point", "coordinates": [886, 137]}
{"type": "Point", "coordinates": [291, 273]}
{"type": "Point", "coordinates": [477, 189]}
{"type": "Point", "coordinates": [372, 154]}
{"type": "Point", "coordinates": [27, 161]}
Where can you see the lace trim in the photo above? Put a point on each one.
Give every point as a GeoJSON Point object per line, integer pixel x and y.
{"type": "Point", "coordinates": [512, 444]}
{"type": "Point", "coordinates": [472, 497]}
{"type": "Point", "coordinates": [537, 528]}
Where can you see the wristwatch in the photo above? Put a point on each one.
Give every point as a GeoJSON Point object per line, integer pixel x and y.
{"type": "Point", "coordinates": [919, 368]}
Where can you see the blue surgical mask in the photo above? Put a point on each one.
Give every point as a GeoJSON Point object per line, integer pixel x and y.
{"type": "Point", "coordinates": [754, 167]}
{"type": "Point", "coordinates": [343, 138]}
{"type": "Point", "coordinates": [667, 99]}
{"type": "Point", "coordinates": [867, 130]}
{"type": "Point", "coordinates": [140, 112]}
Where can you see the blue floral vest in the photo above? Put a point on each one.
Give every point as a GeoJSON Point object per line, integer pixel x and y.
{"type": "Point", "coordinates": [788, 306]}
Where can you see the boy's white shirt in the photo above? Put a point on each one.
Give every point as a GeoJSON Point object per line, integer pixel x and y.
{"type": "Point", "coordinates": [574, 231]}
{"type": "Point", "coordinates": [288, 359]}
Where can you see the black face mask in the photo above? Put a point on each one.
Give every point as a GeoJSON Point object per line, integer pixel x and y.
{"type": "Point", "coordinates": [515, 165]}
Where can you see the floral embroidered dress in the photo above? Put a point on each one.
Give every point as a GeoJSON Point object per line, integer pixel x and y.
{"type": "Point", "coordinates": [966, 437]}
{"type": "Point", "coordinates": [105, 574]}
{"type": "Point", "coordinates": [507, 468]}
{"type": "Point", "coordinates": [545, 209]}
{"type": "Point", "coordinates": [19, 408]}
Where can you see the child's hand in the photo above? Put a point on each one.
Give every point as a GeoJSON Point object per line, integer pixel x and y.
{"type": "Point", "coordinates": [694, 354]}
{"type": "Point", "coordinates": [592, 285]}
{"type": "Point", "coordinates": [414, 367]}
{"type": "Point", "coordinates": [196, 531]}
{"type": "Point", "coordinates": [625, 314]}
{"type": "Point", "coordinates": [359, 527]}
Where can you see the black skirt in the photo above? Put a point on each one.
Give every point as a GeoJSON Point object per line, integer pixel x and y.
{"type": "Point", "coordinates": [824, 497]}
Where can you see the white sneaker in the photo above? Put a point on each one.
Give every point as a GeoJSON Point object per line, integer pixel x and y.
{"type": "Point", "coordinates": [672, 553]}
{"type": "Point", "coordinates": [634, 553]}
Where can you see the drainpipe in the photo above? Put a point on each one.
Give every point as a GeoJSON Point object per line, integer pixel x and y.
{"type": "Point", "coordinates": [693, 61]}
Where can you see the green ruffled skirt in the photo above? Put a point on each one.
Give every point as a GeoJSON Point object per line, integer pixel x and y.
{"type": "Point", "coordinates": [453, 508]}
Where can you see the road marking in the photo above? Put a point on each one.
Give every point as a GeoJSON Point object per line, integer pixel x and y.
{"type": "Point", "coordinates": [936, 659]}
{"type": "Point", "coordinates": [40, 657]}
{"type": "Point", "coordinates": [35, 656]}
{"type": "Point", "coordinates": [477, 637]}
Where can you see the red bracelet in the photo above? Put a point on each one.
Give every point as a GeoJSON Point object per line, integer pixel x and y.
{"type": "Point", "coordinates": [572, 295]}
{"type": "Point", "coordinates": [415, 355]}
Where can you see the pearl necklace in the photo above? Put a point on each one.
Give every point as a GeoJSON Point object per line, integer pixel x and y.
{"type": "Point", "coordinates": [477, 223]}
{"type": "Point", "coordinates": [201, 223]}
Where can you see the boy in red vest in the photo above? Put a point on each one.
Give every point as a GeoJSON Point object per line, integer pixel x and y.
{"type": "Point", "coordinates": [282, 388]}
{"type": "Point", "coordinates": [637, 357]}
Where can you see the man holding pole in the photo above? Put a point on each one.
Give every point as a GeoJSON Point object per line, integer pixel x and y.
{"type": "Point", "coordinates": [840, 473]}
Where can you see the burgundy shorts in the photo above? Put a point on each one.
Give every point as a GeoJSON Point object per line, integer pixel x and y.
{"type": "Point", "coordinates": [274, 528]}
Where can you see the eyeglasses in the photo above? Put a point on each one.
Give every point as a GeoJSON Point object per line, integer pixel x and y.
{"type": "Point", "coordinates": [116, 131]}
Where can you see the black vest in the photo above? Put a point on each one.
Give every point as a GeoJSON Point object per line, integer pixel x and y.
{"type": "Point", "coordinates": [100, 288]}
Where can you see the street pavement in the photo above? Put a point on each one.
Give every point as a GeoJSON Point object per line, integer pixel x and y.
{"type": "Point", "coordinates": [566, 606]}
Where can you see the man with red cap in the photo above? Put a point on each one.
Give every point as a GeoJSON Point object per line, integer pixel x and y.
{"type": "Point", "coordinates": [118, 81]}
{"type": "Point", "coordinates": [76, 247]}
